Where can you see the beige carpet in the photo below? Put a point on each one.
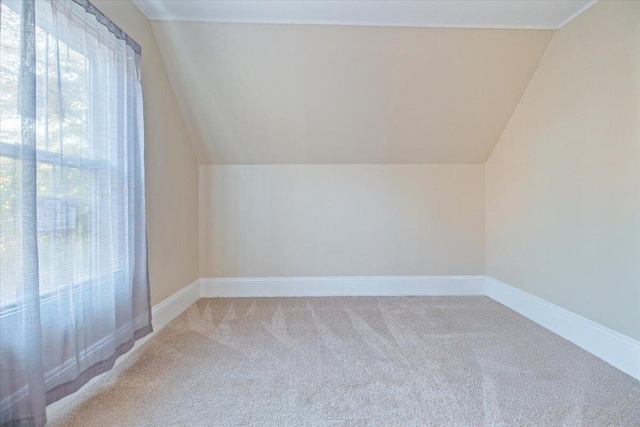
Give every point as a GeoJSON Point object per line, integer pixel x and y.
{"type": "Point", "coordinates": [357, 361]}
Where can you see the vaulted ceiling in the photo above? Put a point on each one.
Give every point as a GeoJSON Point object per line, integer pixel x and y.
{"type": "Point", "coordinates": [331, 94]}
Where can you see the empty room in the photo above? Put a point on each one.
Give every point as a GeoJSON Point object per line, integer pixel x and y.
{"type": "Point", "coordinates": [319, 213]}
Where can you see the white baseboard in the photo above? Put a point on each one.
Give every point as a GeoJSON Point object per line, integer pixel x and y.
{"type": "Point", "coordinates": [161, 315]}
{"type": "Point", "coordinates": [613, 347]}
{"type": "Point", "coordinates": [341, 286]}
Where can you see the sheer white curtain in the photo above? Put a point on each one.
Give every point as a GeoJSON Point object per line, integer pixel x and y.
{"type": "Point", "coordinates": [74, 290]}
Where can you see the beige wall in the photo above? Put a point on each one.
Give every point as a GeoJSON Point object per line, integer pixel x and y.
{"type": "Point", "coordinates": [562, 192]}
{"type": "Point", "coordinates": [344, 94]}
{"type": "Point", "coordinates": [171, 167]}
{"type": "Point", "coordinates": [341, 220]}
{"type": "Point", "coordinates": [563, 184]}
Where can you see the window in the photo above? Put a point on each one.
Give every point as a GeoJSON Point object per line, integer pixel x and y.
{"type": "Point", "coordinates": [73, 164]}
{"type": "Point", "coordinates": [74, 291]}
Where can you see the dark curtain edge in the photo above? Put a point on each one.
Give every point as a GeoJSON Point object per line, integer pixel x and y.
{"type": "Point", "coordinates": [113, 28]}
{"type": "Point", "coordinates": [63, 390]}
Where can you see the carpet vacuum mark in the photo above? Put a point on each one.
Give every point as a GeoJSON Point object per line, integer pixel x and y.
{"type": "Point", "coordinates": [357, 361]}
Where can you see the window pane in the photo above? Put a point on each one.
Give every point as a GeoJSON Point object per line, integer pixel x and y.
{"type": "Point", "coordinates": [10, 121]}
{"type": "Point", "coordinates": [82, 184]}
{"type": "Point", "coordinates": [61, 84]}
{"type": "Point", "coordinates": [64, 222]}
{"type": "Point", "coordinates": [10, 253]}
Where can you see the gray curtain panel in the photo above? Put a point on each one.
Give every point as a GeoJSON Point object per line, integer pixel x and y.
{"type": "Point", "coordinates": [74, 287]}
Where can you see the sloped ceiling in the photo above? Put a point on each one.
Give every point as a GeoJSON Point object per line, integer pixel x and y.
{"type": "Point", "coordinates": [305, 94]}
{"type": "Point", "coordinates": [289, 94]}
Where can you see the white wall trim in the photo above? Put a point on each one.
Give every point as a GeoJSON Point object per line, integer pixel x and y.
{"type": "Point", "coordinates": [164, 312]}
{"type": "Point", "coordinates": [529, 15]}
{"type": "Point", "coordinates": [161, 315]}
{"type": "Point", "coordinates": [577, 13]}
{"type": "Point", "coordinates": [613, 347]}
{"type": "Point", "coordinates": [341, 286]}
{"type": "Point", "coordinates": [346, 23]}
{"type": "Point", "coordinates": [618, 350]}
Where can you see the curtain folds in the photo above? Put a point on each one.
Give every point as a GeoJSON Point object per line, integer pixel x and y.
{"type": "Point", "coordinates": [74, 287]}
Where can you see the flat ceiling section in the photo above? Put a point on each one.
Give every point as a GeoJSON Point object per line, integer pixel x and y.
{"type": "Point", "coordinates": [541, 14]}
{"type": "Point", "coordinates": [314, 94]}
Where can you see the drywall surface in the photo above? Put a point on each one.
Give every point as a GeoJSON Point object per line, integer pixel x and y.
{"type": "Point", "coordinates": [563, 183]}
{"type": "Point", "coordinates": [341, 220]}
{"type": "Point", "coordinates": [325, 94]}
{"type": "Point", "coordinates": [170, 164]}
